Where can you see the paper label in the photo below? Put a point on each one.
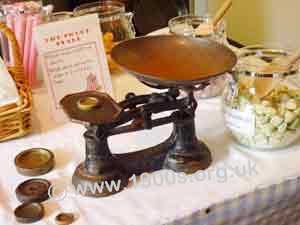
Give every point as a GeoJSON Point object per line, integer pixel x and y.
{"type": "Point", "coordinates": [8, 90]}
{"type": "Point", "coordinates": [73, 58]}
{"type": "Point", "coordinates": [240, 121]}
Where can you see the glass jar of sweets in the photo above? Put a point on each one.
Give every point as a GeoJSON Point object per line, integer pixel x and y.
{"type": "Point", "coordinates": [116, 24]}
{"type": "Point", "coordinates": [262, 103]}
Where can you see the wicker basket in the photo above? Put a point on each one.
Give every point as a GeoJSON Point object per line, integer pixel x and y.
{"type": "Point", "coordinates": [15, 120]}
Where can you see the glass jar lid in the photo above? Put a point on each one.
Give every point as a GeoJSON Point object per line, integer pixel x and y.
{"type": "Point", "coordinates": [261, 62]}
{"type": "Point", "coordinates": [104, 9]}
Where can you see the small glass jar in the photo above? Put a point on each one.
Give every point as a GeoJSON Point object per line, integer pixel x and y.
{"type": "Point", "coordinates": [198, 26]}
{"type": "Point", "coordinates": [116, 24]}
{"type": "Point", "coordinates": [202, 27]}
{"type": "Point", "coordinates": [262, 103]}
{"type": "Point", "coordinates": [58, 16]}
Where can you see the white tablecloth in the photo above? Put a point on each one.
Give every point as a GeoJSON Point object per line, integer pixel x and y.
{"type": "Point", "coordinates": [145, 204]}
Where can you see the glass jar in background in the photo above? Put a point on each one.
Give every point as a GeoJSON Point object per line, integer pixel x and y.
{"type": "Point", "coordinates": [58, 16]}
{"type": "Point", "coordinates": [116, 24]}
{"type": "Point", "coordinates": [198, 26]}
{"type": "Point", "coordinates": [262, 110]}
{"type": "Point", "coordinates": [202, 27]}
{"type": "Point", "coordinates": [22, 17]}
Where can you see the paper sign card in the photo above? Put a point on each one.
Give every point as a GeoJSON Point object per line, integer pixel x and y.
{"type": "Point", "coordinates": [73, 58]}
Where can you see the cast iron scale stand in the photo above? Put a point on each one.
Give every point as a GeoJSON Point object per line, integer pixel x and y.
{"type": "Point", "coordinates": [103, 117]}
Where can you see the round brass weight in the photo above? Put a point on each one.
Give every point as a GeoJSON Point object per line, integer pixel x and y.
{"type": "Point", "coordinates": [88, 103]}
{"type": "Point", "coordinates": [64, 218]}
{"type": "Point", "coordinates": [29, 213]}
{"type": "Point", "coordinates": [34, 162]}
{"type": "Point", "coordinates": [34, 190]}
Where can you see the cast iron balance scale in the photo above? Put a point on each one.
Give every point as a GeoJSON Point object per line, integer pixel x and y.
{"type": "Point", "coordinates": [180, 65]}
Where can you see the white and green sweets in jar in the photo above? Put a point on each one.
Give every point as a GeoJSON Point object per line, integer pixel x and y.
{"type": "Point", "coordinates": [262, 111]}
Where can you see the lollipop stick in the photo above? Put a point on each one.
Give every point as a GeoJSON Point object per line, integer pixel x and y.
{"type": "Point", "coordinates": [10, 24]}
{"type": "Point", "coordinates": [32, 66]}
{"type": "Point", "coordinates": [20, 26]}
{"type": "Point", "coordinates": [222, 12]}
{"type": "Point", "coordinates": [27, 44]}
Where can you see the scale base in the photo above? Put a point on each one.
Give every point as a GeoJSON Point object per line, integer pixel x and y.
{"type": "Point", "coordinates": [102, 185]}
{"type": "Point", "coordinates": [199, 158]}
{"type": "Point", "coordinates": [181, 152]}
{"type": "Point", "coordinates": [187, 154]}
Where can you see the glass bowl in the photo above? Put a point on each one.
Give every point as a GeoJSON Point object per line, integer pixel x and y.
{"type": "Point", "coordinates": [201, 27]}
{"type": "Point", "coordinates": [198, 26]}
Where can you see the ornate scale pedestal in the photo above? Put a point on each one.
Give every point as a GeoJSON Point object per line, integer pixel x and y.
{"type": "Point", "coordinates": [179, 65]}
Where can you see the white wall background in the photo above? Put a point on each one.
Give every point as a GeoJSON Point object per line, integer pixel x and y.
{"type": "Point", "coordinates": [274, 22]}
